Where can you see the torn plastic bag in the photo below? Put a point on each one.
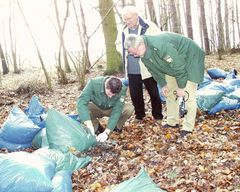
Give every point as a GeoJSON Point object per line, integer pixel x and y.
{"type": "Point", "coordinates": [64, 133]}
{"type": "Point", "coordinates": [64, 161]}
{"type": "Point", "coordinates": [35, 111]}
{"type": "Point", "coordinates": [18, 128]}
{"type": "Point", "coordinates": [140, 183]}
{"type": "Point", "coordinates": [22, 171]}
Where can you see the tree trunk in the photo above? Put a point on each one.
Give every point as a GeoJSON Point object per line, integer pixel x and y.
{"type": "Point", "coordinates": [176, 24]}
{"type": "Point", "coordinates": [13, 47]}
{"type": "Point", "coordinates": [228, 45]}
{"type": "Point", "coordinates": [114, 63]}
{"type": "Point", "coordinates": [152, 12]}
{"type": "Point", "coordinates": [61, 30]}
{"type": "Point", "coordinates": [189, 19]}
{"type": "Point", "coordinates": [4, 63]}
{"type": "Point", "coordinates": [237, 21]}
{"type": "Point", "coordinates": [212, 31]}
{"type": "Point", "coordinates": [220, 30]}
{"type": "Point", "coordinates": [233, 26]}
{"type": "Point", "coordinates": [204, 27]}
{"type": "Point", "coordinates": [164, 19]}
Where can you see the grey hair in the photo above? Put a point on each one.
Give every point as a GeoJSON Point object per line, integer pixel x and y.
{"type": "Point", "coordinates": [129, 9]}
{"type": "Point", "coordinates": [133, 40]}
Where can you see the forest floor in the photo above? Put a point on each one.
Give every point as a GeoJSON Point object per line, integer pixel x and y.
{"type": "Point", "coordinates": [207, 160]}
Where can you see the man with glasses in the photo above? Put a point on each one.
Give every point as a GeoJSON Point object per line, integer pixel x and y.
{"type": "Point", "coordinates": [104, 96]}
{"type": "Point", "coordinates": [135, 70]}
{"type": "Point", "coordinates": [177, 64]}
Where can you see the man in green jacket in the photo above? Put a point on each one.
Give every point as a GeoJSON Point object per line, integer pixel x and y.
{"type": "Point", "coordinates": [177, 64]}
{"type": "Point", "coordinates": [104, 96]}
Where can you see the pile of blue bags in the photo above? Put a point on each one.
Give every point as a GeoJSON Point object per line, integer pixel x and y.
{"type": "Point", "coordinates": [49, 168]}
{"type": "Point", "coordinates": [53, 134]}
{"type": "Point", "coordinates": [214, 96]}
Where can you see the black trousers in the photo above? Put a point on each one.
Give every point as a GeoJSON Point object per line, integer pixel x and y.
{"type": "Point", "coordinates": [136, 94]}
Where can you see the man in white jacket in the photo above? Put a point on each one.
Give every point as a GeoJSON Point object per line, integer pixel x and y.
{"type": "Point", "coordinates": [135, 70]}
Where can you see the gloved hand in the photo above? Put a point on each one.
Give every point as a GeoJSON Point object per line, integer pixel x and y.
{"type": "Point", "coordinates": [89, 125]}
{"type": "Point", "coordinates": [103, 136]}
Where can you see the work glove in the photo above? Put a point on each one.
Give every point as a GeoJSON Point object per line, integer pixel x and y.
{"type": "Point", "coordinates": [102, 137]}
{"type": "Point", "coordinates": [89, 125]}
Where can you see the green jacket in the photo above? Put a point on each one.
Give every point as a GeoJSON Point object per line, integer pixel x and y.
{"type": "Point", "coordinates": [94, 92]}
{"type": "Point", "coordinates": [174, 55]}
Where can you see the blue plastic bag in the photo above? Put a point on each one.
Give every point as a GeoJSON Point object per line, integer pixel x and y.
{"type": "Point", "coordinates": [125, 81]}
{"type": "Point", "coordinates": [225, 104]}
{"type": "Point", "coordinates": [140, 183]}
{"type": "Point", "coordinates": [221, 87]}
{"type": "Point", "coordinates": [206, 80]}
{"type": "Point", "coordinates": [25, 172]}
{"type": "Point", "coordinates": [232, 74]}
{"type": "Point", "coordinates": [64, 133]}
{"type": "Point", "coordinates": [233, 82]}
{"type": "Point", "coordinates": [18, 128]}
{"type": "Point", "coordinates": [64, 161]}
{"type": "Point", "coordinates": [13, 146]}
{"type": "Point", "coordinates": [216, 73]}
{"type": "Point", "coordinates": [207, 98]}
{"type": "Point", "coordinates": [62, 181]}
{"type": "Point", "coordinates": [234, 95]}
{"type": "Point", "coordinates": [35, 111]}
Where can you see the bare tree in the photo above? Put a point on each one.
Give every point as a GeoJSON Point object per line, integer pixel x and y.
{"type": "Point", "coordinates": [114, 63]}
{"type": "Point", "coordinates": [212, 30]}
{"type": "Point", "coordinates": [227, 35]}
{"type": "Point", "coordinates": [175, 19]}
{"type": "Point", "coordinates": [13, 42]}
{"type": "Point", "coordinates": [152, 12]}
{"type": "Point", "coordinates": [237, 20]}
{"type": "Point", "coordinates": [189, 19]}
{"type": "Point", "coordinates": [204, 27]}
{"type": "Point", "coordinates": [83, 60]}
{"type": "Point", "coordinates": [62, 47]}
{"type": "Point", "coordinates": [233, 26]}
{"type": "Point", "coordinates": [49, 83]}
{"type": "Point", "coordinates": [220, 30]}
{"type": "Point", "coordinates": [4, 64]}
{"type": "Point", "coordinates": [164, 18]}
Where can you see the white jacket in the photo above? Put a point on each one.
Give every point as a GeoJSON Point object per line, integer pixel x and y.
{"type": "Point", "coordinates": [145, 27]}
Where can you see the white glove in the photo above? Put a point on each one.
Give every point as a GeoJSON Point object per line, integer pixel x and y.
{"type": "Point", "coordinates": [89, 125]}
{"type": "Point", "coordinates": [103, 136]}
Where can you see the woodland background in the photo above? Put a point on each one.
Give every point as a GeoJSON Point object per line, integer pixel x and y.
{"type": "Point", "coordinates": [207, 161]}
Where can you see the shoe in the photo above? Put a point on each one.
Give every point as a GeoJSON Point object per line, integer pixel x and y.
{"type": "Point", "coordinates": [118, 130]}
{"type": "Point", "coordinates": [170, 126]}
{"type": "Point", "coordinates": [100, 129]}
{"type": "Point", "coordinates": [184, 133]}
